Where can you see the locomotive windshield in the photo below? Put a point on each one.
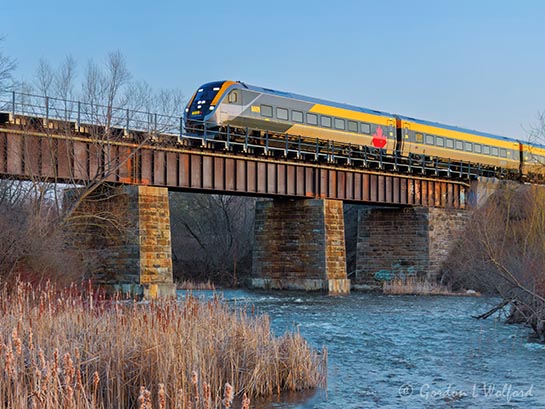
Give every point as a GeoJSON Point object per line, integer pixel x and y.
{"type": "Point", "coordinates": [200, 105]}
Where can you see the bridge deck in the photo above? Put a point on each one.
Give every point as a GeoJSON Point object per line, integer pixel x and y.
{"type": "Point", "coordinates": [30, 148]}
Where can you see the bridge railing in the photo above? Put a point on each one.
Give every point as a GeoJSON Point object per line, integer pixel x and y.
{"type": "Point", "coordinates": [88, 112]}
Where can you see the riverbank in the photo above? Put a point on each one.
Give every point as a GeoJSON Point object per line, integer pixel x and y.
{"type": "Point", "coordinates": [74, 349]}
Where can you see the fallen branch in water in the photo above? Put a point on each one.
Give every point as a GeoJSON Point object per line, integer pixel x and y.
{"type": "Point", "coordinates": [493, 310]}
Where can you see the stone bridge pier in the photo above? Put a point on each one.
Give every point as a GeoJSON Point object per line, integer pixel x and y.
{"type": "Point", "coordinates": [300, 245]}
{"type": "Point", "coordinates": [131, 253]}
{"type": "Point", "coordinates": [411, 240]}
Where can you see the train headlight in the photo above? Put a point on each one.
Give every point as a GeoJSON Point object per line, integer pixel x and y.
{"type": "Point", "coordinates": [211, 107]}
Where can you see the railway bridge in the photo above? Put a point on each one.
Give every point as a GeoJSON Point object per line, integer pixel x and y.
{"type": "Point", "coordinates": [411, 218]}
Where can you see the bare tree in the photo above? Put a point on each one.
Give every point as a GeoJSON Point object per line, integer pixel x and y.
{"type": "Point", "coordinates": [65, 77]}
{"type": "Point", "coordinates": [7, 67]}
{"type": "Point", "coordinates": [44, 77]}
{"type": "Point", "coordinates": [31, 243]}
{"type": "Point", "coordinates": [107, 93]}
{"type": "Point", "coordinates": [117, 76]}
{"type": "Point", "coordinates": [212, 236]}
{"type": "Point", "coordinates": [102, 87]}
{"type": "Point", "coordinates": [35, 216]}
{"type": "Point", "coordinates": [503, 250]}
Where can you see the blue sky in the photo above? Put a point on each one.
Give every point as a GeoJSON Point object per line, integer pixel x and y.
{"type": "Point", "coordinates": [479, 64]}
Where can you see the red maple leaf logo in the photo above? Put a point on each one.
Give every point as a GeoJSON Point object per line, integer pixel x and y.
{"type": "Point", "coordinates": [379, 140]}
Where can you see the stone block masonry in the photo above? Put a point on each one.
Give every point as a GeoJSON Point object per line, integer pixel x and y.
{"type": "Point", "coordinates": [155, 243]}
{"type": "Point", "coordinates": [132, 253]}
{"type": "Point", "coordinates": [412, 240]}
{"type": "Point", "coordinates": [299, 245]}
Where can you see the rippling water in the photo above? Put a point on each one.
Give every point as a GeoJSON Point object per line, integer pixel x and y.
{"type": "Point", "coordinates": [407, 352]}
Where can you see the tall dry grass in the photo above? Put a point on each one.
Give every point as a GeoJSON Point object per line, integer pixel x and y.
{"type": "Point", "coordinates": [74, 349]}
{"type": "Point", "coordinates": [414, 286]}
{"type": "Point", "coordinates": [195, 285]}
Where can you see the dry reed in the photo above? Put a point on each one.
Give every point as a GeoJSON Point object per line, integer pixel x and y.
{"type": "Point", "coordinates": [414, 286]}
{"type": "Point", "coordinates": [63, 349]}
{"type": "Point", "coordinates": [192, 285]}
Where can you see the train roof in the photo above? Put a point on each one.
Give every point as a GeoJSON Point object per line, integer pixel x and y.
{"type": "Point", "coordinates": [457, 128]}
{"type": "Point", "coordinates": [316, 100]}
{"type": "Point", "coordinates": [534, 144]}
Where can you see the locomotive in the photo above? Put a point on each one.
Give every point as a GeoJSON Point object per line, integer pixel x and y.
{"type": "Point", "coordinates": [235, 108]}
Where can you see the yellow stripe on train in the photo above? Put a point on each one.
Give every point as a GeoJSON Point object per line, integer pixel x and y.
{"type": "Point", "coordinates": [354, 115]}
{"type": "Point", "coordinates": [222, 90]}
{"type": "Point", "coordinates": [462, 136]}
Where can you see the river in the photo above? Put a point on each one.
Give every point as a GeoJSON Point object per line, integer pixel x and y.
{"type": "Point", "coordinates": [406, 351]}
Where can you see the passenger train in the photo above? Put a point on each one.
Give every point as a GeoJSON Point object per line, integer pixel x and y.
{"type": "Point", "coordinates": [238, 107]}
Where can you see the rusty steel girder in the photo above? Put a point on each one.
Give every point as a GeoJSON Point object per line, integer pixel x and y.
{"type": "Point", "coordinates": [73, 157]}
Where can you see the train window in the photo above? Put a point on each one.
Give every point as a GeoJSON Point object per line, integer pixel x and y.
{"type": "Point", "coordinates": [325, 121]}
{"type": "Point", "coordinates": [352, 126]}
{"type": "Point", "coordinates": [312, 119]}
{"type": "Point", "coordinates": [282, 113]}
{"type": "Point", "coordinates": [468, 147]}
{"type": "Point", "coordinates": [439, 141]}
{"type": "Point", "coordinates": [339, 123]}
{"type": "Point", "coordinates": [503, 153]}
{"type": "Point", "coordinates": [233, 97]}
{"type": "Point", "coordinates": [419, 137]}
{"type": "Point", "coordinates": [494, 151]}
{"type": "Point", "coordinates": [450, 143]}
{"type": "Point", "coordinates": [459, 145]}
{"type": "Point", "coordinates": [297, 116]}
{"type": "Point", "coordinates": [477, 148]}
{"type": "Point", "coordinates": [486, 149]}
{"type": "Point", "coordinates": [429, 140]}
{"type": "Point", "coordinates": [365, 128]}
{"type": "Point", "coordinates": [266, 110]}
